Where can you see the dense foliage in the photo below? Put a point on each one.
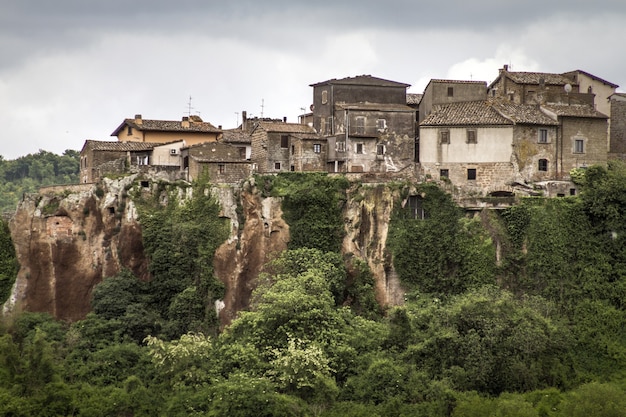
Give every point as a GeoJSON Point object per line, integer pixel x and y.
{"type": "Point", "coordinates": [27, 173]}
{"type": "Point", "coordinates": [8, 262]}
{"type": "Point", "coordinates": [517, 313]}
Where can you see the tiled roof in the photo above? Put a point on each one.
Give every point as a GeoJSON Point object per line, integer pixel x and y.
{"type": "Point", "coordinates": [235, 136]}
{"type": "Point", "coordinates": [463, 114]}
{"type": "Point", "coordinates": [523, 113]}
{"type": "Point", "coordinates": [283, 127]}
{"type": "Point", "coordinates": [376, 107]}
{"type": "Point", "coordinates": [148, 125]}
{"type": "Point", "coordinates": [98, 145]}
{"type": "Point", "coordinates": [537, 77]}
{"type": "Point", "coordinates": [362, 80]}
{"type": "Point", "coordinates": [412, 98]}
{"type": "Point", "coordinates": [575, 110]}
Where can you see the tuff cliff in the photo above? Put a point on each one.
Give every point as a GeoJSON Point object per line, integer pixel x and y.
{"type": "Point", "coordinates": [68, 239]}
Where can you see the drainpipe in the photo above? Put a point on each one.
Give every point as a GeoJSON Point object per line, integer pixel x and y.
{"type": "Point", "coordinates": [347, 117]}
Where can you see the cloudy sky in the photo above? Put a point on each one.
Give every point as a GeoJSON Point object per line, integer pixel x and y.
{"type": "Point", "coordinates": [72, 70]}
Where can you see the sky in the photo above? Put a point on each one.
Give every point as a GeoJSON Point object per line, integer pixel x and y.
{"type": "Point", "coordinates": [73, 70]}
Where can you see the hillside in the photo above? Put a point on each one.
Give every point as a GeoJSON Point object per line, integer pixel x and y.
{"type": "Point", "coordinates": [307, 294]}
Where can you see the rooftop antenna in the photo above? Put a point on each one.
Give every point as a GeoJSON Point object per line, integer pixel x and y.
{"type": "Point", "coordinates": [262, 106]}
{"type": "Point", "coordinates": [189, 107]}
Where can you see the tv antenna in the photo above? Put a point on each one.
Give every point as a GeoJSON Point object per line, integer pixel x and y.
{"type": "Point", "coordinates": [262, 106]}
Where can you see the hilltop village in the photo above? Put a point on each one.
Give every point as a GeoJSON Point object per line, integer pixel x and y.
{"type": "Point", "coordinates": [522, 134]}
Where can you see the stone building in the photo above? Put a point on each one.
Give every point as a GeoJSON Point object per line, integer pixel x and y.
{"type": "Point", "coordinates": [98, 158]}
{"type": "Point", "coordinates": [489, 147]}
{"type": "Point", "coordinates": [192, 130]}
{"type": "Point", "coordinates": [221, 163]}
{"type": "Point", "coordinates": [439, 92]}
{"type": "Point", "coordinates": [367, 124]}
{"type": "Point", "coordinates": [273, 145]}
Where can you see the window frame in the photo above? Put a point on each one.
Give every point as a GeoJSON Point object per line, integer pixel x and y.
{"type": "Point", "coordinates": [444, 173]}
{"type": "Point", "coordinates": [317, 147]}
{"type": "Point", "coordinates": [359, 148]}
{"type": "Point", "coordinates": [471, 137]}
{"type": "Point", "coordinates": [542, 136]}
{"type": "Point", "coordinates": [579, 149]}
{"type": "Point", "coordinates": [359, 122]}
{"type": "Point", "coordinates": [284, 141]}
{"type": "Point", "coordinates": [444, 137]}
{"type": "Point", "coordinates": [542, 165]}
{"type": "Point", "coordinates": [472, 174]}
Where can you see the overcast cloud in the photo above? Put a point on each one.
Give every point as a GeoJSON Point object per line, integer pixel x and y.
{"type": "Point", "coordinates": [72, 70]}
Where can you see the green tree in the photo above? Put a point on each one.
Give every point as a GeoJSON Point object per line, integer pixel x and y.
{"type": "Point", "coordinates": [8, 262]}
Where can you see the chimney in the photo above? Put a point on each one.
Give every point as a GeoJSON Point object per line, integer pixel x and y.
{"type": "Point", "coordinates": [219, 127]}
{"type": "Point", "coordinates": [185, 122]}
{"type": "Point", "coordinates": [285, 119]}
{"type": "Point", "coordinates": [244, 120]}
{"type": "Point", "coordinates": [138, 119]}
{"type": "Point", "coordinates": [506, 67]}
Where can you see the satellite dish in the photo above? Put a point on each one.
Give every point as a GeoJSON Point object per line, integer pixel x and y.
{"type": "Point", "coordinates": [568, 88]}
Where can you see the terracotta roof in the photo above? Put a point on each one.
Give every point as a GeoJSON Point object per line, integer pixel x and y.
{"type": "Point", "coordinates": [283, 127]}
{"type": "Point", "coordinates": [523, 113]}
{"type": "Point", "coordinates": [467, 113]}
{"type": "Point", "coordinates": [235, 136]}
{"type": "Point", "coordinates": [98, 145]}
{"type": "Point", "coordinates": [375, 107]}
{"type": "Point", "coordinates": [196, 125]}
{"type": "Point", "coordinates": [537, 77]}
{"type": "Point", "coordinates": [362, 80]}
{"type": "Point", "coordinates": [412, 98]}
{"type": "Point", "coordinates": [574, 110]}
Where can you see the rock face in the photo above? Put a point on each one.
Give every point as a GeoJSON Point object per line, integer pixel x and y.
{"type": "Point", "coordinates": [68, 239]}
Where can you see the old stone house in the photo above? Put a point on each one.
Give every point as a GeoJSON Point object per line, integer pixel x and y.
{"type": "Point", "coordinates": [221, 163]}
{"type": "Point", "coordinates": [367, 124]}
{"type": "Point", "coordinates": [98, 158]}
{"type": "Point", "coordinates": [273, 145]}
{"type": "Point", "coordinates": [439, 92]}
{"type": "Point", "coordinates": [192, 130]}
{"type": "Point", "coordinates": [489, 147]}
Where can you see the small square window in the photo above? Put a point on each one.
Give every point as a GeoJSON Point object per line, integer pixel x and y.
{"type": "Point", "coordinates": [450, 91]}
{"type": "Point", "coordinates": [579, 146]}
{"type": "Point", "coordinates": [572, 191]}
{"type": "Point", "coordinates": [380, 149]}
{"type": "Point", "coordinates": [444, 173]}
{"type": "Point", "coordinates": [129, 131]}
{"type": "Point", "coordinates": [220, 168]}
{"type": "Point", "coordinates": [444, 137]}
{"type": "Point", "coordinates": [471, 137]}
{"type": "Point", "coordinates": [277, 166]}
{"type": "Point", "coordinates": [543, 165]}
{"type": "Point", "coordinates": [381, 124]}
{"type": "Point", "coordinates": [324, 97]}
{"type": "Point", "coordinates": [359, 148]}
{"type": "Point", "coordinates": [471, 173]}
{"type": "Point", "coordinates": [543, 135]}
{"type": "Point", "coordinates": [317, 148]}
{"type": "Point", "coordinates": [242, 153]}
{"type": "Point", "coordinates": [340, 146]}
{"type": "Point", "coordinates": [284, 141]}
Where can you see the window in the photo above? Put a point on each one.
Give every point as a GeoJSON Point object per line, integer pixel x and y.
{"type": "Point", "coordinates": [293, 149]}
{"type": "Point", "coordinates": [380, 149]}
{"type": "Point", "coordinates": [444, 137]}
{"type": "Point", "coordinates": [324, 97]}
{"type": "Point", "coordinates": [579, 146]}
{"type": "Point", "coordinates": [292, 168]}
{"type": "Point", "coordinates": [543, 135]}
{"type": "Point", "coordinates": [359, 148]}
{"type": "Point", "coordinates": [277, 165]}
{"type": "Point", "coordinates": [416, 207]}
{"type": "Point", "coordinates": [572, 191]}
{"type": "Point", "coordinates": [284, 141]}
{"type": "Point", "coordinates": [329, 125]}
{"type": "Point", "coordinates": [471, 136]}
{"type": "Point", "coordinates": [317, 148]}
{"type": "Point", "coordinates": [242, 153]}
{"type": "Point", "coordinates": [220, 168]}
{"type": "Point", "coordinates": [360, 125]}
{"type": "Point", "coordinates": [450, 91]}
{"type": "Point", "coordinates": [340, 146]}
{"type": "Point", "coordinates": [543, 165]}
{"type": "Point", "coordinates": [444, 173]}
{"type": "Point", "coordinates": [381, 125]}
{"type": "Point", "coordinates": [471, 173]}
{"type": "Point", "coordinates": [129, 131]}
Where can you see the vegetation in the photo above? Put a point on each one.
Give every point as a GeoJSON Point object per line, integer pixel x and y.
{"type": "Point", "coordinates": [27, 173]}
{"type": "Point", "coordinates": [536, 331]}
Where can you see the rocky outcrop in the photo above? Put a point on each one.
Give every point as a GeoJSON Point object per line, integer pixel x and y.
{"type": "Point", "coordinates": [68, 239]}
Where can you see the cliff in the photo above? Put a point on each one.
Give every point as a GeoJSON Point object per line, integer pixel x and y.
{"type": "Point", "coordinates": [68, 239]}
